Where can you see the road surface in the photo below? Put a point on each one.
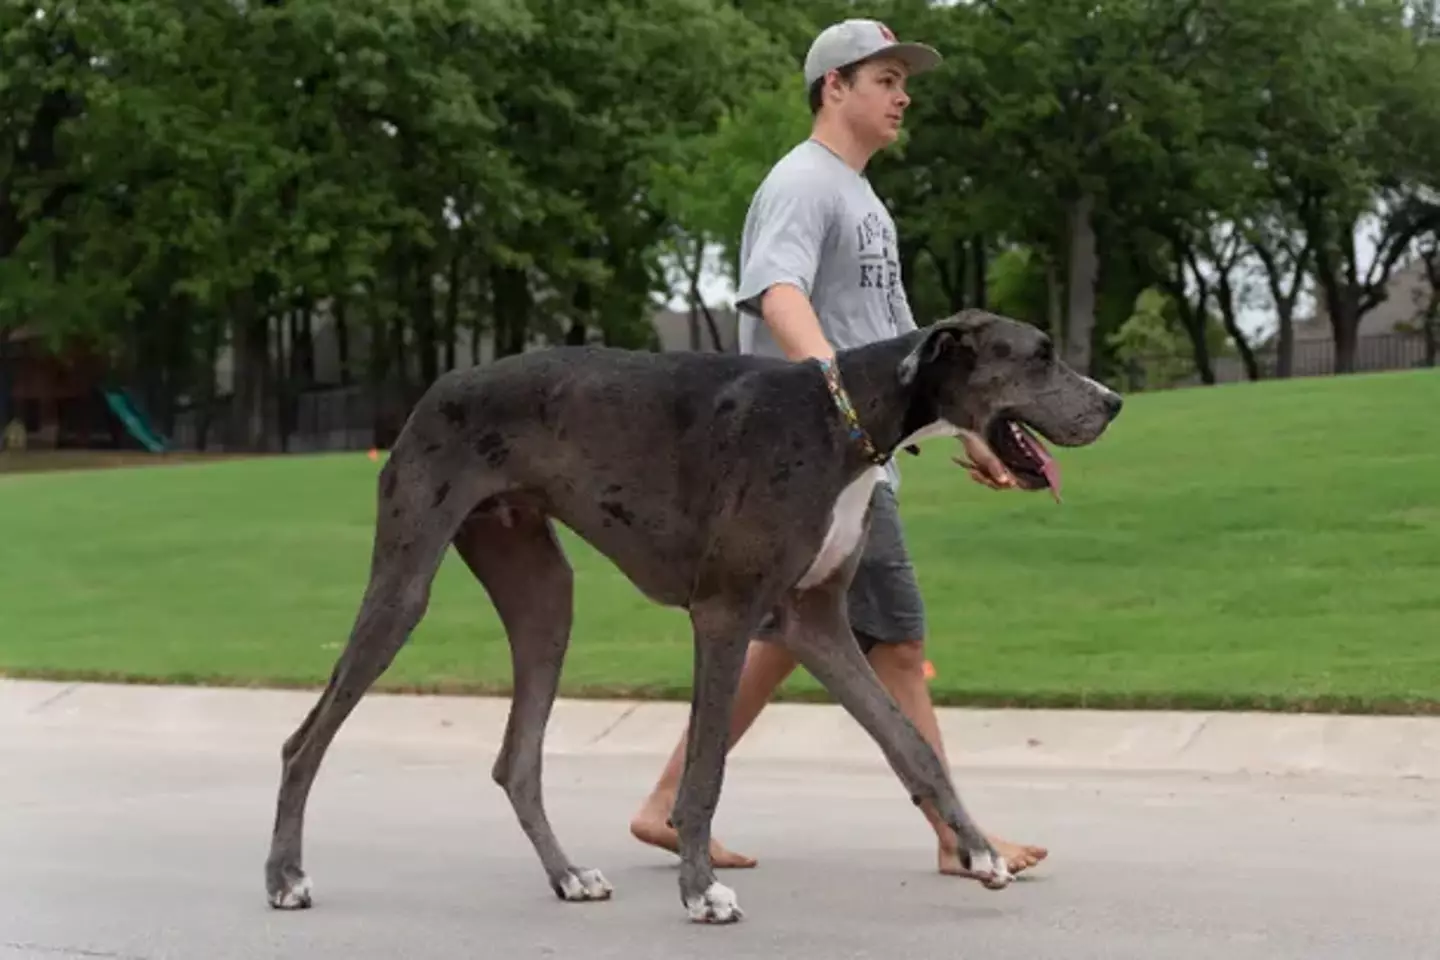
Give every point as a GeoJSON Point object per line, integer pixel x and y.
{"type": "Point", "coordinates": [118, 845]}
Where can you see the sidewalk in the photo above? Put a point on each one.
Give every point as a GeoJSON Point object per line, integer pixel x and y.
{"type": "Point", "coordinates": [1278, 744]}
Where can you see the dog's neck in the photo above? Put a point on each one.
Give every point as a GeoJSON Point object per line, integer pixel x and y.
{"type": "Point", "coordinates": [883, 414]}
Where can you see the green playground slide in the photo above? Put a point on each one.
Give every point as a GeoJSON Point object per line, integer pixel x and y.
{"type": "Point", "coordinates": [137, 426]}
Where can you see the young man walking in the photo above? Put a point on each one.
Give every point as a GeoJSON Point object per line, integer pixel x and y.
{"type": "Point", "coordinates": [820, 272]}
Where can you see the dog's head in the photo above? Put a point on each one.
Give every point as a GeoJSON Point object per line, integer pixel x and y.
{"type": "Point", "coordinates": [996, 380]}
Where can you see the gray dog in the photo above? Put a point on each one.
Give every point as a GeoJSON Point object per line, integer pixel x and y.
{"type": "Point", "coordinates": [730, 486]}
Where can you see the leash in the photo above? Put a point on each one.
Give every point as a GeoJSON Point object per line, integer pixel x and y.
{"type": "Point", "coordinates": [847, 410]}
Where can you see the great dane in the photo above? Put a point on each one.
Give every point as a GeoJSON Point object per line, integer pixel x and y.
{"type": "Point", "coordinates": [732, 487]}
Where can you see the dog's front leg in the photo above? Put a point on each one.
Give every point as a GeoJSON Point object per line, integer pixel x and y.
{"type": "Point", "coordinates": [721, 629]}
{"type": "Point", "coordinates": [821, 639]}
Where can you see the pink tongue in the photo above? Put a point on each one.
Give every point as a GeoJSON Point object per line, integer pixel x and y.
{"type": "Point", "coordinates": [1048, 466]}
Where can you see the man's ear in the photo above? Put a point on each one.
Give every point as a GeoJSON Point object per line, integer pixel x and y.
{"type": "Point", "coordinates": [940, 336]}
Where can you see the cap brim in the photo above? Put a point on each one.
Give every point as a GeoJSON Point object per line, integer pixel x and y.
{"type": "Point", "coordinates": [917, 57]}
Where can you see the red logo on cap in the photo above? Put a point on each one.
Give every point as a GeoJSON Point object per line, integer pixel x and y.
{"type": "Point", "coordinates": [886, 33]}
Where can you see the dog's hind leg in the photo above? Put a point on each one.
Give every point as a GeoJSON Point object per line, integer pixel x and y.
{"type": "Point", "coordinates": [818, 634]}
{"type": "Point", "coordinates": [514, 553]}
{"type": "Point", "coordinates": [415, 521]}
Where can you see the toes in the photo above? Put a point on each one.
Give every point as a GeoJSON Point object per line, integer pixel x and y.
{"type": "Point", "coordinates": [990, 869]}
{"type": "Point", "coordinates": [294, 895]}
{"type": "Point", "coordinates": [722, 859]}
{"type": "Point", "coordinates": [717, 905]}
{"type": "Point", "coordinates": [596, 886]}
{"type": "Point", "coordinates": [581, 885]}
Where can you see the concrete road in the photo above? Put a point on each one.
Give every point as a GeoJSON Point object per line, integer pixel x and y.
{"type": "Point", "coordinates": [114, 844]}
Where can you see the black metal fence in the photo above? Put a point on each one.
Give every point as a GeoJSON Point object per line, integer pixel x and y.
{"type": "Point", "coordinates": [1311, 358]}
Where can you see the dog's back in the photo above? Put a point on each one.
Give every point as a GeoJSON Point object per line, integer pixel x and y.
{"type": "Point", "coordinates": [564, 429]}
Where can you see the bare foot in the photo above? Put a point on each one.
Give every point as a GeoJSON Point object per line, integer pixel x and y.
{"type": "Point", "coordinates": [1018, 857]}
{"type": "Point", "coordinates": [651, 827]}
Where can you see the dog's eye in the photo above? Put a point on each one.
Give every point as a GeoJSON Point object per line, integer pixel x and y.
{"type": "Point", "coordinates": [1046, 351]}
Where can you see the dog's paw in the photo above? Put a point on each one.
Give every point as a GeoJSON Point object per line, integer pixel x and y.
{"type": "Point", "coordinates": [580, 884]}
{"type": "Point", "coordinates": [990, 869]}
{"type": "Point", "coordinates": [294, 893]}
{"type": "Point", "coordinates": [716, 905]}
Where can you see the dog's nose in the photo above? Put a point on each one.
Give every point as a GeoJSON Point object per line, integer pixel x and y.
{"type": "Point", "coordinates": [1113, 403]}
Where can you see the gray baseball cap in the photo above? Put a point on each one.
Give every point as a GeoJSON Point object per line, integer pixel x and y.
{"type": "Point", "coordinates": [851, 41]}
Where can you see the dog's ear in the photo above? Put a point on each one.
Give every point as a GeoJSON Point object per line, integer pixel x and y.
{"type": "Point", "coordinates": [939, 337]}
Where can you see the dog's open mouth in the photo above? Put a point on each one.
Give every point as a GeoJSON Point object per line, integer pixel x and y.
{"type": "Point", "coordinates": [1024, 455]}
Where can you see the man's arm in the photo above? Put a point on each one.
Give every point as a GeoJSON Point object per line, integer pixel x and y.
{"type": "Point", "coordinates": [785, 233]}
{"type": "Point", "coordinates": [788, 313]}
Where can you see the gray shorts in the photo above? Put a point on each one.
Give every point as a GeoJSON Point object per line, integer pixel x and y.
{"type": "Point", "coordinates": [884, 599]}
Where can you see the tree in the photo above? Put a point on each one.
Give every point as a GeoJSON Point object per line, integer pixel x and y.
{"type": "Point", "coordinates": [1082, 110]}
{"type": "Point", "coordinates": [1350, 113]}
{"type": "Point", "coordinates": [186, 179]}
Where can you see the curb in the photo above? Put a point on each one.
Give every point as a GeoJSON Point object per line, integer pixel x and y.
{"type": "Point", "coordinates": [1003, 739]}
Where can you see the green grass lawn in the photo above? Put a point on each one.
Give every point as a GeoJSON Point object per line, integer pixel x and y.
{"type": "Point", "coordinates": [1273, 545]}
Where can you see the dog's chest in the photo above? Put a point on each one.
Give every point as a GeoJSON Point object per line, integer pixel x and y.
{"type": "Point", "coordinates": [847, 522]}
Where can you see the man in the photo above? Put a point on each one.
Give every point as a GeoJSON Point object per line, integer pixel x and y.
{"type": "Point", "coordinates": [819, 272]}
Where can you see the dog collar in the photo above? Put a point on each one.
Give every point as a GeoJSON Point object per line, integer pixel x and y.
{"type": "Point", "coordinates": [847, 410]}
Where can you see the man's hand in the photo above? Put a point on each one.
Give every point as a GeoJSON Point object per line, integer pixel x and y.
{"type": "Point", "coordinates": [983, 466]}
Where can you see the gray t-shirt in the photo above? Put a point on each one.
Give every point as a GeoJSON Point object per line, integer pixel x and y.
{"type": "Point", "coordinates": [816, 223]}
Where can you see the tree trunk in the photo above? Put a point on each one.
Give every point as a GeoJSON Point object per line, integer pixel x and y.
{"type": "Point", "coordinates": [1346, 342]}
{"type": "Point", "coordinates": [512, 310]}
{"type": "Point", "coordinates": [979, 265]}
{"type": "Point", "coordinates": [1284, 303]}
{"type": "Point", "coordinates": [1054, 307]}
{"type": "Point", "coordinates": [949, 270]}
{"type": "Point", "coordinates": [303, 367]}
{"type": "Point", "coordinates": [377, 369]}
{"type": "Point", "coordinates": [713, 327]}
{"type": "Point", "coordinates": [477, 321]}
{"type": "Point", "coordinates": [1083, 273]}
{"type": "Point", "coordinates": [206, 408]}
{"type": "Point", "coordinates": [252, 372]}
{"type": "Point", "coordinates": [1193, 315]}
{"type": "Point", "coordinates": [342, 340]}
{"type": "Point", "coordinates": [1431, 259]}
{"type": "Point", "coordinates": [693, 265]}
{"type": "Point", "coordinates": [1343, 303]}
{"type": "Point", "coordinates": [284, 331]}
{"type": "Point", "coordinates": [583, 304]}
{"type": "Point", "coordinates": [698, 306]}
{"type": "Point", "coordinates": [426, 342]}
{"type": "Point", "coordinates": [7, 386]}
{"type": "Point", "coordinates": [1232, 324]}
{"type": "Point", "coordinates": [404, 311]}
{"type": "Point", "coordinates": [452, 307]}
{"type": "Point", "coordinates": [954, 273]}
{"type": "Point", "coordinates": [1285, 343]}
{"type": "Point", "coordinates": [1432, 320]}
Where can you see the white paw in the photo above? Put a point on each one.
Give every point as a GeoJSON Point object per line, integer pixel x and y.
{"type": "Point", "coordinates": [294, 896]}
{"type": "Point", "coordinates": [718, 905]}
{"type": "Point", "coordinates": [583, 884]}
{"type": "Point", "coordinates": [992, 871]}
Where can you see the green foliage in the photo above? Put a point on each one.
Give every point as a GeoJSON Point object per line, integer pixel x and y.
{"type": "Point", "coordinates": [178, 178]}
{"type": "Point", "coordinates": [708, 184]}
{"type": "Point", "coordinates": [1152, 348]}
{"type": "Point", "coordinates": [1017, 286]}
